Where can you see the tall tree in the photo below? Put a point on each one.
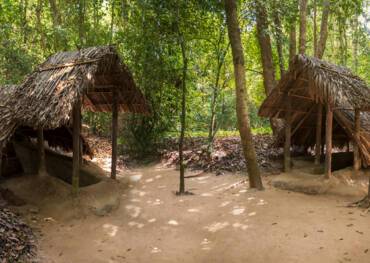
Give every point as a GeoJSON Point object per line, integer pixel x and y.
{"type": "Point", "coordinates": [241, 95]}
{"type": "Point", "coordinates": [323, 29]}
{"type": "Point", "coordinates": [302, 25]}
{"type": "Point", "coordinates": [268, 68]}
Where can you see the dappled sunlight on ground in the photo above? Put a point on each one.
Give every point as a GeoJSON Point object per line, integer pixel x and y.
{"type": "Point", "coordinates": [223, 221]}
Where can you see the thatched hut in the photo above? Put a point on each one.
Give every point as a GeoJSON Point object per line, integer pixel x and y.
{"type": "Point", "coordinates": [93, 79]}
{"type": "Point", "coordinates": [313, 88]}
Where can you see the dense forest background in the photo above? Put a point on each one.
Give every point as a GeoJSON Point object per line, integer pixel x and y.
{"type": "Point", "coordinates": [160, 40]}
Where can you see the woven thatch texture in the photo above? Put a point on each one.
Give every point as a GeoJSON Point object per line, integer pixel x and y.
{"type": "Point", "coordinates": [46, 97]}
{"type": "Point", "coordinates": [7, 112]}
{"type": "Point", "coordinates": [311, 82]}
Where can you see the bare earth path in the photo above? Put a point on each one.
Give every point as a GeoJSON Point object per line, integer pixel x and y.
{"type": "Point", "coordinates": [219, 223]}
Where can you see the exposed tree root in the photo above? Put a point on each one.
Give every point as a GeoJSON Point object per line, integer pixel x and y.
{"type": "Point", "coordinates": [363, 203]}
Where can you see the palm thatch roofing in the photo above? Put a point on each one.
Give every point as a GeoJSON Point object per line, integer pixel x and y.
{"type": "Point", "coordinates": [60, 137]}
{"type": "Point", "coordinates": [311, 82]}
{"type": "Point", "coordinates": [46, 98]}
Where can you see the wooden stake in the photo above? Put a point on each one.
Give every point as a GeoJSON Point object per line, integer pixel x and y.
{"type": "Point", "coordinates": [328, 140]}
{"type": "Point", "coordinates": [114, 134]}
{"type": "Point", "coordinates": [41, 151]}
{"type": "Point", "coordinates": [76, 146]}
{"type": "Point", "coordinates": [288, 133]}
{"type": "Point", "coordinates": [318, 135]}
{"type": "Point", "coordinates": [356, 150]}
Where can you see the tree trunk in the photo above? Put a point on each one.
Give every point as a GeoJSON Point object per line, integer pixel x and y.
{"type": "Point", "coordinates": [268, 69]}
{"type": "Point", "coordinates": [278, 36]}
{"type": "Point", "coordinates": [292, 41]}
{"type": "Point", "coordinates": [241, 95]}
{"type": "Point", "coordinates": [323, 29]}
{"type": "Point", "coordinates": [81, 23]}
{"type": "Point", "coordinates": [315, 28]}
{"type": "Point", "coordinates": [355, 45]}
{"type": "Point", "coordinates": [183, 115]}
{"type": "Point", "coordinates": [39, 9]}
{"type": "Point", "coordinates": [57, 21]}
{"type": "Point", "coordinates": [24, 20]}
{"type": "Point", "coordinates": [302, 26]}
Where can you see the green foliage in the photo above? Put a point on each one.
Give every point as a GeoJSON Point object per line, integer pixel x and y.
{"type": "Point", "coordinates": [146, 32]}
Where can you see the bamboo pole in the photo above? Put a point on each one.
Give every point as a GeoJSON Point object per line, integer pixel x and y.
{"type": "Point", "coordinates": [328, 140]}
{"type": "Point", "coordinates": [288, 133]}
{"type": "Point", "coordinates": [41, 151]}
{"type": "Point", "coordinates": [76, 146]}
{"type": "Point", "coordinates": [318, 135]}
{"type": "Point", "coordinates": [114, 134]}
{"type": "Point", "coordinates": [356, 150]}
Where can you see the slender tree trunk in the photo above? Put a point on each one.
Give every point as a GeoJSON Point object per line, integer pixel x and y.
{"type": "Point", "coordinates": [57, 21]}
{"type": "Point", "coordinates": [302, 25]}
{"type": "Point", "coordinates": [183, 114]}
{"type": "Point", "coordinates": [39, 9]}
{"type": "Point", "coordinates": [292, 41]}
{"type": "Point", "coordinates": [323, 29]}
{"type": "Point", "coordinates": [24, 20]}
{"type": "Point", "coordinates": [268, 68]}
{"type": "Point", "coordinates": [112, 23]}
{"type": "Point", "coordinates": [278, 36]}
{"type": "Point", "coordinates": [241, 95]}
{"type": "Point", "coordinates": [315, 28]}
{"type": "Point", "coordinates": [81, 23]}
{"type": "Point", "coordinates": [355, 45]}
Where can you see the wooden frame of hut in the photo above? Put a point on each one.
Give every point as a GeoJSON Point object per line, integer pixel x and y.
{"type": "Point", "coordinates": [310, 90]}
{"type": "Point", "coordinates": [51, 97]}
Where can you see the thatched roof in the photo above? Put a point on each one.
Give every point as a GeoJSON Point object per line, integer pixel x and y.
{"type": "Point", "coordinates": [46, 97]}
{"type": "Point", "coordinates": [310, 82]}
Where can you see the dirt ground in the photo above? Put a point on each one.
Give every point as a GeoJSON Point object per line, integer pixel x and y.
{"type": "Point", "coordinates": [221, 222]}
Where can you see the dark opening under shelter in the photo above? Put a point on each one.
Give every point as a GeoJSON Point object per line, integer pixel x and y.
{"type": "Point", "coordinates": [323, 105]}
{"type": "Point", "coordinates": [47, 105]}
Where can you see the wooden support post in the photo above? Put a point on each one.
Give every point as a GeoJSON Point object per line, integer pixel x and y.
{"type": "Point", "coordinates": [356, 150]}
{"type": "Point", "coordinates": [288, 133]}
{"type": "Point", "coordinates": [81, 144]}
{"type": "Point", "coordinates": [1, 160]}
{"type": "Point", "coordinates": [318, 135]}
{"type": "Point", "coordinates": [328, 140]}
{"type": "Point", "coordinates": [41, 151]}
{"type": "Point", "coordinates": [114, 134]}
{"type": "Point", "coordinates": [76, 146]}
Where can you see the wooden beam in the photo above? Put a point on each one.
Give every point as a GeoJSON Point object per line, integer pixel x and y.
{"type": "Point", "coordinates": [76, 146]}
{"type": "Point", "coordinates": [302, 120]}
{"type": "Point", "coordinates": [318, 134]}
{"type": "Point", "coordinates": [288, 135]}
{"type": "Point", "coordinates": [114, 134]}
{"type": "Point", "coordinates": [328, 140]}
{"type": "Point", "coordinates": [41, 151]}
{"type": "Point", "coordinates": [356, 149]}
